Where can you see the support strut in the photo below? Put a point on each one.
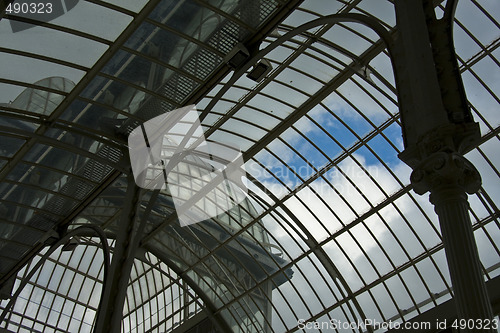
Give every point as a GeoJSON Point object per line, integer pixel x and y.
{"type": "Point", "coordinates": [110, 313]}
{"type": "Point", "coordinates": [438, 129]}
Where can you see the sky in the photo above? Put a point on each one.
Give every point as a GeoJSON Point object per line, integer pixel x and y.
{"type": "Point", "coordinates": [369, 247]}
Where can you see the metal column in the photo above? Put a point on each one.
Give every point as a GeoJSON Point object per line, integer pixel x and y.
{"type": "Point", "coordinates": [110, 313]}
{"type": "Point", "coordinates": [438, 130]}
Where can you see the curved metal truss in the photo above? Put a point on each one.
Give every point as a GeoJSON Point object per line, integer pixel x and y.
{"type": "Point", "coordinates": [331, 232]}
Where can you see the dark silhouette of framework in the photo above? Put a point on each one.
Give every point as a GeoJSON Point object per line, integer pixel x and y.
{"type": "Point", "coordinates": [287, 81]}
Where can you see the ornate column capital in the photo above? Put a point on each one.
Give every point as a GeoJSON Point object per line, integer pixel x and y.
{"type": "Point", "coordinates": [445, 171]}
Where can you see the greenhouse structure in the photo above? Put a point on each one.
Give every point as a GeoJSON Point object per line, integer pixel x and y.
{"type": "Point", "coordinates": [202, 166]}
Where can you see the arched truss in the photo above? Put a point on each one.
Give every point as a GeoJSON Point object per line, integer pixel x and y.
{"type": "Point", "coordinates": [332, 224]}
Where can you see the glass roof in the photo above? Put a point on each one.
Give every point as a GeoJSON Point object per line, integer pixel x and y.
{"type": "Point", "coordinates": [330, 230]}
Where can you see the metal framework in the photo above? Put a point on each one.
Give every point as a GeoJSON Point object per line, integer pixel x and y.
{"type": "Point", "coordinates": [331, 233]}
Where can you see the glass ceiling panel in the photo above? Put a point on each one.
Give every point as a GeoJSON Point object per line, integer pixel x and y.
{"type": "Point", "coordinates": [270, 105]}
{"type": "Point", "coordinates": [468, 13]}
{"type": "Point", "coordinates": [280, 53]}
{"type": "Point", "coordinates": [100, 21]}
{"type": "Point", "coordinates": [10, 145]}
{"type": "Point", "coordinates": [299, 17]}
{"type": "Point", "coordinates": [132, 5]}
{"type": "Point", "coordinates": [59, 45]}
{"type": "Point", "coordinates": [321, 65]}
{"type": "Point", "coordinates": [258, 117]}
{"type": "Point", "coordinates": [482, 99]}
{"type": "Point", "coordinates": [331, 228]}
{"type": "Point", "coordinates": [28, 196]}
{"type": "Point", "coordinates": [381, 9]}
{"type": "Point", "coordinates": [288, 77]}
{"type": "Point", "coordinates": [345, 38]}
{"type": "Point", "coordinates": [16, 71]}
{"type": "Point", "coordinates": [328, 52]}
